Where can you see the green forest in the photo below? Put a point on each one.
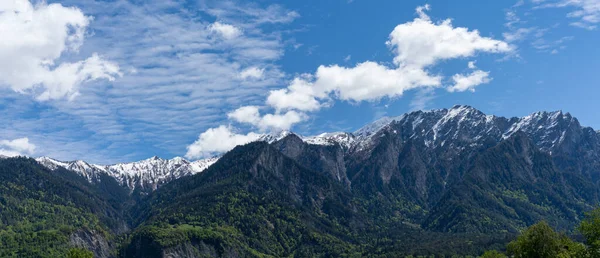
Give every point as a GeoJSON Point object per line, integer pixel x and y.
{"type": "Point", "coordinates": [257, 202]}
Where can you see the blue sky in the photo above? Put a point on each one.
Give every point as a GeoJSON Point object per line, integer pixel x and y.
{"type": "Point", "coordinates": [118, 81]}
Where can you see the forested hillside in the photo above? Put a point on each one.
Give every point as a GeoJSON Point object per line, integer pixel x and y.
{"type": "Point", "coordinates": [446, 182]}
{"type": "Point", "coordinates": [44, 214]}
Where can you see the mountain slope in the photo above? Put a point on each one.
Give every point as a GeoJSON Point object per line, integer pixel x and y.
{"type": "Point", "coordinates": [253, 201]}
{"type": "Point", "coordinates": [448, 181]}
{"type": "Point", "coordinates": [326, 158]}
{"type": "Point", "coordinates": [410, 163]}
{"type": "Point", "coordinates": [509, 187]}
{"type": "Point", "coordinates": [43, 214]}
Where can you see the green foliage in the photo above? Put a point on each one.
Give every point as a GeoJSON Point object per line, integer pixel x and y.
{"type": "Point", "coordinates": [79, 253]}
{"type": "Point", "coordinates": [493, 254]}
{"type": "Point", "coordinates": [590, 229]}
{"type": "Point", "coordinates": [540, 240]}
{"type": "Point", "coordinates": [256, 202]}
{"type": "Point", "coordinates": [39, 211]}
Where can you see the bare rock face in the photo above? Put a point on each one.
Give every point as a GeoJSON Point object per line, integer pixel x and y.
{"type": "Point", "coordinates": [93, 241]}
{"type": "Point", "coordinates": [325, 158]}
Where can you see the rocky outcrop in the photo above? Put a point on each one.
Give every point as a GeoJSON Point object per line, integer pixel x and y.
{"type": "Point", "coordinates": [91, 240]}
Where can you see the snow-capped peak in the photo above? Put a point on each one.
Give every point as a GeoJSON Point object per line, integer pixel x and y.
{"type": "Point", "coordinates": [344, 139]}
{"type": "Point", "coordinates": [146, 174]}
{"type": "Point", "coordinates": [374, 127]}
{"type": "Point", "coordinates": [456, 128]}
{"type": "Point", "coordinates": [273, 137]}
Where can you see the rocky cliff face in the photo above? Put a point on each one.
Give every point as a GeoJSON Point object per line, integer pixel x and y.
{"type": "Point", "coordinates": [91, 240]}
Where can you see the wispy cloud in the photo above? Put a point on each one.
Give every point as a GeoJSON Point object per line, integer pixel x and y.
{"type": "Point", "coordinates": [183, 64]}
{"type": "Point", "coordinates": [523, 32]}
{"type": "Point", "coordinates": [586, 13]}
{"type": "Point", "coordinates": [422, 99]}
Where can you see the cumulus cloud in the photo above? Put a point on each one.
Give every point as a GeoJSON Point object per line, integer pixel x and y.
{"type": "Point", "coordinates": [16, 147]}
{"type": "Point", "coordinates": [269, 122]}
{"type": "Point", "coordinates": [418, 45]}
{"type": "Point", "coordinates": [371, 81]}
{"type": "Point", "coordinates": [247, 114]}
{"type": "Point", "coordinates": [33, 40]}
{"type": "Point", "coordinates": [470, 81]}
{"type": "Point", "coordinates": [217, 140]}
{"type": "Point", "coordinates": [422, 43]}
{"type": "Point", "coordinates": [282, 121]}
{"type": "Point", "coordinates": [226, 31]}
{"type": "Point", "coordinates": [299, 95]}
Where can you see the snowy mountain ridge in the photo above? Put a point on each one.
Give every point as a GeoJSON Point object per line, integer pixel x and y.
{"type": "Point", "coordinates": [440, 127]}
{"type": "Point", "coordinates": [146, 174]}
{"type": "Point", "coordinates": [453, 129]}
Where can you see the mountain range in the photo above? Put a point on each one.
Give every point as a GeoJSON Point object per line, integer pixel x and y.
{"type": "Point", "coordinates": [448, 181]}
{"type": "Point", "coordinates": [461, 128]}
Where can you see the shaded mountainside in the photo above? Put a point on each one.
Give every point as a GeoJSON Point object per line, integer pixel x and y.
{"type": "Point", "coordinates": [411, 163]}
{"type": "Point", "coordinates": [257, 202]}
{"type": "Point", "coordinates": [253, 201]}
{"type": "Point", "coordinates": [44, 213]}
{"type": "Point", "coordinates": [448, 181]}
{"type": "Point", "coordinates": [509, 187]}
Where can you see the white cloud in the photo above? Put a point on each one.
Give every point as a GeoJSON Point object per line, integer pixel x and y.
{"type": "Point", "coordinates": [371, 81]}
{"type": "Point", "coordinates": [519, 3]}
{"type": "Point", "coordinates": [185, 76]}
{"type": "Point", "coordinates": [418, 45]}
{"type": "Point", "coordinates": [421, 12]}
{"type": "Point", "coordinates": [587, 11]}
{"type": "Point", "coordinates": [583, 25]}
{"type": "Point", "coordinates": [517, 34]}
{"type": "Point", "coordinates": [16, 147]}
{"type": "Point", "coordinates": [247, 114]}
{"type": "Point", "coordinates": [472, 65]}
{"type": "Point", "coordinates": [547, 46]}
{"type": "Point", "coordinates": [217, 140]}
{"type": "Point", "coordinates": [281, 121]}
{"type": "Point", "coordinates": [366, 81]}
{"type": "Point", "coordinates": [34, 38]}
{"type": "Point", "coordinates": [422, 43]}
{"type": "Point", "coordinates": [300, 95]}
{"type": "Point", "coordinates": [347, 58]}
{"type": "Point", "coordinates": [269, 122]}
{"type": "Point", "coordinates": [470, 81]}
{"type": "Point", "coordinates": [226, 31]}
{"type": "Point", "coordinates": [232, 10]}
{"type": "Point", "coordinates": [252, 73]}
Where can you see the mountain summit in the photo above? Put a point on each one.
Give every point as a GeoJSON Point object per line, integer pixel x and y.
{"type": "Point", "coordinates": [461, 130]}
